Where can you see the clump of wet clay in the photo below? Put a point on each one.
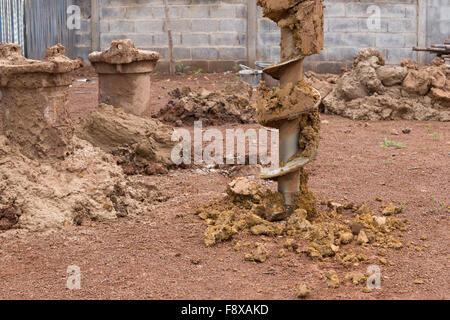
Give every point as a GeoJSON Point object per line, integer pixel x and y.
{"type": "Point", "coordinates": [33, 96]}
{"type": "Point", "coordinates": [287, 103]}
{"type": "Point", "coordinates": [86, 186]}
{"type": "Point", "coordinates": [304, 18]}
{"type": "Point", "coordinates": [141, 145]}
{"type": "Point", "coordinates": [303, 290]}
{"type": "Point", "coordinates": [372, 90]}
{"type": "Point", "coordinates": [259, 254]}
{"type": "Point", "coordinates": [247, 209]}
{"type": "Point", "coordinates": [332, 279]}
{"type": "Point", "coordinates": [231, 105]}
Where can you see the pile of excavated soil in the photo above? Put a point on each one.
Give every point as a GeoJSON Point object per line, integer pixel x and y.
{"type": "Point", "coordinates": [324, 83]}
{"type": "Point", "coordinates": [345, 232]}
{"type": "Point", "coordinates": [372, 90]}
{"type": "Point", "coordinates": [140, 145]}
{"type": "Point", "coordinates": [87, 186]}
{"type": "Point", "coordinates": [231, 105]}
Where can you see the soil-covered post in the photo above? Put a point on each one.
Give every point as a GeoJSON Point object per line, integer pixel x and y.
{"type": "Point", "coordinates": [124, 76]}
{"type": "Point", "coordinates": [33, 96]}
{"type": "Point", "coordinates": [169, 35]}
{"type": "Point", "coordinates": [293, 106]}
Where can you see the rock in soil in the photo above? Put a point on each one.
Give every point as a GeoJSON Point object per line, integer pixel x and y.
{"type": "Point", "coordinates": [303, 290]}
{"type": "Point", "coordinates": [332, 279]}
{"type": "Point", "coordinates": [259, 254]}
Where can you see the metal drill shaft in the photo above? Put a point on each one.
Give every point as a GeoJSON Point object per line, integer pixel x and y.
{"type": "Point", "coordinates": [290, 74]}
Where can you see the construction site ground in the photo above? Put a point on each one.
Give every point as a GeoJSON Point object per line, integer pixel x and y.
{"type": "Point", "coordinates": [161, 253]}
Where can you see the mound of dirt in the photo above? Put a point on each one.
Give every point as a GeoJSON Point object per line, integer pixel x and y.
{"type": "Point", "coordinates": [324, 235]}
{"type": "Point", "coordinates": [324, 83]}
{"type": "Point", "coordinates": [141, 145]}
{"type": "Point", "coordinates": [86, 186]}
{"type": "Point", "coordinates": [231, 105]}
{"type": "Point", "coordinates": [372, 90]}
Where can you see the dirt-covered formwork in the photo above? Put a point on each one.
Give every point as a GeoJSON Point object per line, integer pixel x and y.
{"type": "Point", "coordinates": [82, 183]}
{"type": "Point", "coordinates": [33, 96]}
{"type": "Point", "coordinates": [372, 90]}
{"type": "Point", "coordinates": [124, 75]}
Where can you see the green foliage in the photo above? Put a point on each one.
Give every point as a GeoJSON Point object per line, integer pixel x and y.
{"type": "Point", "coordinates": [181, 68]}
{"type": "Point", "coordinates": [390, 143]}
{"type": "Point", "coordinates": [198, 71]}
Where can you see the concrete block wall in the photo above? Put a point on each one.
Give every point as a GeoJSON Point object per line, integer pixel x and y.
{"type": "Point", "coordinates": [438, 22]}
{"type": "Point", "coordinates": [214, 34]}
{"type": "Point", "coordinates": [207, 34]}
{"type": "Point", "coordinates": [389, 26]}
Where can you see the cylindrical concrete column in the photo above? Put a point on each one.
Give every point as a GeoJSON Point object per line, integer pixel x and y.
{"type": "Point", "coordinates": [33, 96]}
{"type": "Point", "coordinates": [124, 76]}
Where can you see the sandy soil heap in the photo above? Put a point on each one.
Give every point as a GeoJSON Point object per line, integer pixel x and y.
{"type": "Point", "coordinates": [140, 144]}
{"type": "Point", "coordinates": [230, 105]}
{"type": "Point", "coordinates": [86, 186]}
{"type": "Point", "coordinates": [372, 90]}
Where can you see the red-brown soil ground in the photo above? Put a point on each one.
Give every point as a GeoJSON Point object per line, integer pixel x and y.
{"type": "Point", "coordinates": [151, 257]}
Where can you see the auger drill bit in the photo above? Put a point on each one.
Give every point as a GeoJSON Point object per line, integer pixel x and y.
{"type": "Point", "coordinates": [301, 24]}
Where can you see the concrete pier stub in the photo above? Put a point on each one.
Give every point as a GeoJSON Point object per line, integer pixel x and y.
{"type": "Point", "coordinates": [124, 76]}
{"type": "Point", "coordinates": [33, 97]}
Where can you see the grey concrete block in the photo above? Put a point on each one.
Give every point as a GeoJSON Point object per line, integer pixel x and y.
{"type": "Point", "coordinates": [149, 26]}
{"type": "Point", "coordinates": [222, 11]}
{"type": "Point", "coordinates": [139, 13]}
{"type": "Point", "coordinates": [395, 55]}
{"type": "Point", "coordinates": [343, 24]}
{"type": "Point", "coordinates": [334, 10]}
{"type": "Point", "coordinates": [195, 39]}
{"type": "Point", "coordinates": [232, 53]}
{"type": "Point", "coordinates": [205, 53]}
{"type": "Point", "coordinates": [236, 25]}
{"type": "Point", "coordinates": [266, 25]}
{"type": "Point", "coordinates": [390, 40]}
{"type": "Point", "coordinates": [122, 26]}
{"type": "Point", "coordinates": [194, 11]}
{"type": "Point", "coordinates": [205, 25]}
{"type": "Point", "coordinates": [112, 13]}
{"type": "Point", "coordinates": [182, 53]}
{"type": "Point", "coordinates": [180, 25]}
{"type": "Point", "coordinates": [161, 39]}
{"type": "Point", "coordinates": [371, 25]}
{"type": "Point", "coordinates": [226, 39]}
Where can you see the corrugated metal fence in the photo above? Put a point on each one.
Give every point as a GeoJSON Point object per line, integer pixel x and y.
{"type": "Point", "coordinates": [46, 25]}
{"type": "Point", "coordinates": [12, 22]}
{"type": "Point", "coordinates": [36, 25]}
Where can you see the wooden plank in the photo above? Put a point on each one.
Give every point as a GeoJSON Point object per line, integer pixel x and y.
{"type": "Point", "coordinates": [95, 25]}
{"type": "Point", "coordinates": [252, 32]}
